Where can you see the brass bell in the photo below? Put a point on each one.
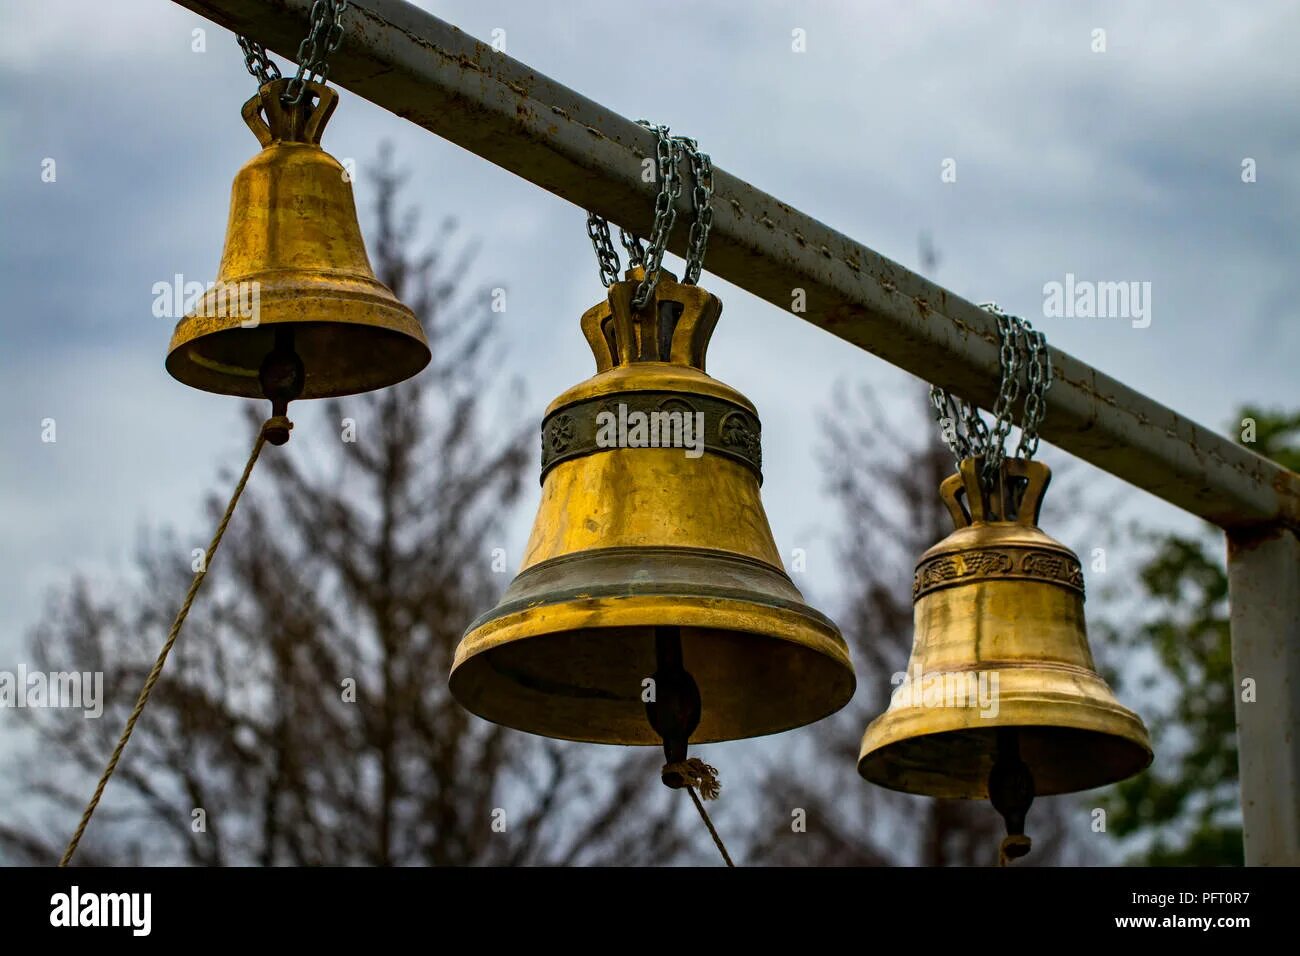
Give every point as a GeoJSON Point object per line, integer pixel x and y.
{"type": "Point", "coordinates": [294, 274]}
{"type": "Point", "coordinates": [652, 601]}
{"type": "Point", "coordinates": [1001, 698]}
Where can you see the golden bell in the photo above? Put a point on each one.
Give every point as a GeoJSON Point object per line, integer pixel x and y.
{"type": "Point", "coordinates": [651, 572]}
{"type": "Point", "coordinates": [294, 272]}
{"type": "Point", "coordinates": [1000, 674]}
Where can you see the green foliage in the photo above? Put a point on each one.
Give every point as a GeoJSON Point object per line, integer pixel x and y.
{"type": "Point", "coordinates": [1186, 805]}
{"type": "Point", "coordinates": [1277, 435]}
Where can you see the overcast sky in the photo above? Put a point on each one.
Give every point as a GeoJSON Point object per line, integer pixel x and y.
{"type": "Point", "coordinates": [1122, 165]}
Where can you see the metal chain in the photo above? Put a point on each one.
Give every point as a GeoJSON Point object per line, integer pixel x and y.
{"type": "Point", "coordinates": [668, 153]}
{"type": "Point", "coordinates": [322, 39]}
{"type": "Point", "coordinates": [259, 65]}
{"type": "Point", "coordinates": [946, 418]}
{"type": "Point", "coordinates": [1039, 371]}
{"type": "Point", "coordinates": [965, 431]}
{"type": "Point", "coordinates": [701, 200]}
{"type": "Point", "coordinates": [598, 230]}
{"type": "Point", "coordinates": [1008, 388]}
{"type": "Point", "coordinates": [635, 251]}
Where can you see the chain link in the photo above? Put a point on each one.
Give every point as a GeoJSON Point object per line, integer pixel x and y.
{"type": "Point", "coordinates": [702, 202]}
{"type": "Point", "coordinates": [965, 431]}
{"type": "Point", "coordinates": [1039, 372]}
{"type": "Point", "coordinates": [635, 251]}
{"type": "Point", "coordinates": [1008, 388]}
{"type": "Point", "coordinates": [668, 155]}
{"type": "Point", "coordinates": [322, 39]}
{"type": "Point", "coordinates": [598, 230]}
{"type": "Point", "coordinates": [259, 65]}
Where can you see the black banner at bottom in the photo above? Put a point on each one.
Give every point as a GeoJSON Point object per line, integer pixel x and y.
{"type": "Point", "coordinates": [330, 906]}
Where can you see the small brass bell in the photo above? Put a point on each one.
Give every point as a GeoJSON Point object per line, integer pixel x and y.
{"type": "Point", "coordinates": [1001, 699]}
{"type": "Point", "coordinates": [294, 277]}
{"type": "Point", "coordinates": [652, 601]}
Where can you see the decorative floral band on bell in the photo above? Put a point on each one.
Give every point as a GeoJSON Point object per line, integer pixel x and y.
{"type": "Point", "coordinates": [691, 423]}
{"type": "Point", "coordinates": [1014, 563]}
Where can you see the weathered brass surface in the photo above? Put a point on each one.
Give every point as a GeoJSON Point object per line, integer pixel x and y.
{"type": "Point", "coordinates": [630, 539]}
{"type": "Point", "coordinates": [293, 232]}
{"type": "Point", "coordinates": [1002, 602]}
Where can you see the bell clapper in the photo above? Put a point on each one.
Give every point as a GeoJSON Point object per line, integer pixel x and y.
{"type": "Point", "coordinates": [675, 711]}
{"type": "Point", "coordinates": [281, 377]}
{"type": "Point", "coordinates": [1011, 791]}
{"type": "Point", "coordinates": [674, 714]}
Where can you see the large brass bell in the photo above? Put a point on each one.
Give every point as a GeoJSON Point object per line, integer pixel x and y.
{"type": "Point", "coordinates": [294, 251]}
{"type": "Point", "coordinates": [652, 599]}
{"type": "Point", "coordinates": [1001, 698]}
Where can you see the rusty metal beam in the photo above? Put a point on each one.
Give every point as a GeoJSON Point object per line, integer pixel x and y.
{"type": "Point", "coordinates": [421, 68]}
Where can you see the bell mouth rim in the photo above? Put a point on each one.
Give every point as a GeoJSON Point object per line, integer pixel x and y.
{"type": "Point", "coordinates": [646, 610]}
{"type": "Point", "coordinates": [187, 362]}
{"type": "Point", "coordinates": [1119, 729]}
{"type": "Point", "coordinates": [674, 555]}
{"type": "Point", "coordinates": [802, 631]}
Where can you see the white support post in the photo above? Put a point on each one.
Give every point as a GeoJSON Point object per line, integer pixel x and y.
{"type": "Point", "coordinates": [1264, 594]}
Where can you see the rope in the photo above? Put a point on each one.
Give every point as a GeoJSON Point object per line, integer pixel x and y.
{"type": "Point", "coordinates": [704, 815]}
{"type": "Point", "coordinates": [276, 421]}
{"type": "Point", "coordinates": [699, 775]}
{"type": "Point", "coordinates": [1013, 847]}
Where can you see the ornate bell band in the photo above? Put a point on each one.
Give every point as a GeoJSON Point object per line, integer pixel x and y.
{"type": "Point", "coordinates": [1000, 645]}
{"type": "Point", "coordinates": [294, 254]}
{"type": "Point", "coordinates": [650, 551]}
